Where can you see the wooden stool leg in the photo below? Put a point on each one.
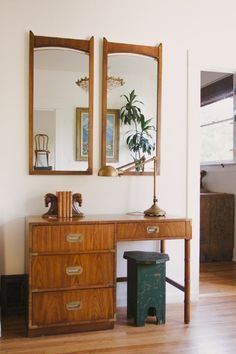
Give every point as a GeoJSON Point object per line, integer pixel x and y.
{"type": "Point", "coordinates": [161, 313]}
{"type": "Point", "coordinates": [140, 317]}
{"type": "Point", "coordinates": [131, 289]}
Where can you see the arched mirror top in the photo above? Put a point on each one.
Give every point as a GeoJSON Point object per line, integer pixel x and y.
{"type": "Point", "coordinates": [60, 105]}
{"type": "Point", "coordinates": [131, 106]}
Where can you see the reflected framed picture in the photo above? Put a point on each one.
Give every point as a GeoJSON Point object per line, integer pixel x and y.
{"type": "Point", "coordinates": [82, 119]}
{"type": "Point", "coordinates": [112, 135]}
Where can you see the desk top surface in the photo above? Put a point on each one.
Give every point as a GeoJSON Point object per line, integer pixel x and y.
{"type": "Point", "coordinates": [105, 218]}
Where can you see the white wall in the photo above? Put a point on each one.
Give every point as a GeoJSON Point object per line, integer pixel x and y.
{"type": "Point", "coordinates": [179, 25]}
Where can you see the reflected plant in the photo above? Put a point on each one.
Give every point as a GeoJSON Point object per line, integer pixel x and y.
{"type": "Point", "coordinates": [139, 139]}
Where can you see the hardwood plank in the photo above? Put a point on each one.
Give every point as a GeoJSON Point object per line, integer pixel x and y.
{"type": "Point", "coordinates": [211, 331]}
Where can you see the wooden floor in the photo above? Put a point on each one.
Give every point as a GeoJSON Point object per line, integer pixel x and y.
{"type": "Point", "coordinates": [212, 329]}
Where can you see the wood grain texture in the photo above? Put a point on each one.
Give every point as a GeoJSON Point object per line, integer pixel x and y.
{"type": "Point", "coordinates": [106, 219]}
{"type": "Point", "coordinates": [70, 256]}
{"type": "Point", "coordinates": [149, 51]}
{"type": "Point", "coordinates": [72, 271]}
{"type": "Point", "coordinates": [216, 227]}
{"type": "Point", "coordinates": [71, 277]}
{"type": "Point", "coordinates": [129, 231]}
{"type": "Point", "coordinates": [55, 238]}
{"type": "Point", "coordinates": [52, 307]}
{"type": "Point", "coordinates": [187, 281]}
{"type": "Point", "coordinates": [211, 331]}
{"type": "Point", "coordinates": [31, 100]}
{"type": "Point", "coordinates": [79, 44]}
{"type": "Point", "coordinates": [91, 99]}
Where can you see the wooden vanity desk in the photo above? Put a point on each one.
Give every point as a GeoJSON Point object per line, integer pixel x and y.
{"type": "Point", "coordinates": [72, 267]}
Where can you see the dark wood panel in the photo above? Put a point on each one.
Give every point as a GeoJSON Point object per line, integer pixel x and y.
{"type": "Point", "coordinates": [216, 227]}
{"type": "Point", "coordinates": [217, 90]}
{"type": "Point", "coordinates": [13, 294]}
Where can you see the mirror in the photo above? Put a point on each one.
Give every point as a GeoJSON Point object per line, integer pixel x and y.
{"type": "Point", "coordinates": [60, 105]}
{"type": "Point", "coordinates": [131, 106]}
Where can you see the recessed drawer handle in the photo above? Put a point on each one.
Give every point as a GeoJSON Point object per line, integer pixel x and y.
{"type": "Point", "coordinates": [152, 229]}
{"type": "Point", "coordinates": [74, 238]}
{"type": "Point", "coordinates": [73, 305]}
{"type": "Point", "coordinates": [75, 270]}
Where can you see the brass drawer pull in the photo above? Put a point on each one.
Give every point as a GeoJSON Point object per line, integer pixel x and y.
{"type": "Point", "coordinates": [75, 270]}
{"type": "Point", "coordinates": [74, 238]}
{"type": "Point", "coordinates": [73, 305]}
{"type": "Point", "coordinates": [152, 229]}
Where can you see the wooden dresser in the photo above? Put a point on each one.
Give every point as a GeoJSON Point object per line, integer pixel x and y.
{"type": "Point", "coordinates": [72, 271]}
{"type": "Point", "coordinates": [216, 227]}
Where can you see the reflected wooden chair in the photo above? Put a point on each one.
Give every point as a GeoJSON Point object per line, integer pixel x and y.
{"type": "Point", "coordinates": [41, 147]}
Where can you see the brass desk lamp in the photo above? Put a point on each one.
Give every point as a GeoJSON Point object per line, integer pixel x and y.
{"type": "Point", "coordinates": [110, 171]}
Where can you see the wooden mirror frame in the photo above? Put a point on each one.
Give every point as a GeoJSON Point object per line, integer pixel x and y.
{"type": "Point", "coordinates": [86, 46]}
{"type": "Point", "coordinates": [149, 51]}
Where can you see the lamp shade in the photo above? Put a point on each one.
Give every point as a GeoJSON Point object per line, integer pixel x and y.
{"type": "Point", "coordinates": [108, 171]}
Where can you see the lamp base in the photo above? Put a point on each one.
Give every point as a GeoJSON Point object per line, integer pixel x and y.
{"type": "Point", "coordinates": [154, 211]}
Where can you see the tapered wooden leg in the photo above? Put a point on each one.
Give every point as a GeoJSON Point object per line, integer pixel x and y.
{"type": "Point", "coordinates": [187, 282]}
{"type": "Point", "coordinates": [163, 246]}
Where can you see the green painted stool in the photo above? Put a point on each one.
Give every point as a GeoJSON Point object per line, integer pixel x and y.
{"type": "Point", "coordinates": [146, 287]}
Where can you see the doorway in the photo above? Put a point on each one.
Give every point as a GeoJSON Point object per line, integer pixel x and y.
{"type": "Point", "coordinates": [217, 122]}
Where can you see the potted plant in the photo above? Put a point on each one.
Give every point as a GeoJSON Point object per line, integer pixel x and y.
{"type": "Point", "coordinates": [139, 139]}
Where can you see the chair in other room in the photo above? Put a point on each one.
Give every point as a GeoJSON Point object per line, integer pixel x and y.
{"type": "Point", "coordinates": [41, 148]}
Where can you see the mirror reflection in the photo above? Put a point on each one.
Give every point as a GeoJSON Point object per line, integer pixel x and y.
{"type": "Point", "coordinates": [56, 97]}
{"type": "Point", "coordinates": [131, 106]}
{"type": "Point", "coordinates": [62, 111]}
{"type": "Point", "coordinates": [131, 132]}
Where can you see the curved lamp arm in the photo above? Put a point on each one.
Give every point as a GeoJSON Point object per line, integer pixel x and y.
{"type": "Point", "coordinates": [110, 171]}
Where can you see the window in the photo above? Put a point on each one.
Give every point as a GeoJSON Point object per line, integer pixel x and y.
{"type": "Point", "coordinates": [218, 126]}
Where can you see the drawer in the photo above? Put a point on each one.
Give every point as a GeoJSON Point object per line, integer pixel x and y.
{"type": "Point", "coordinates": [72, 306]}
{"type": "Point", "coordinates": [72, 238]}
{"type": "Point", "coordinates": [72, 271]}
{"type": "Point", "coordinates": [150, 230]}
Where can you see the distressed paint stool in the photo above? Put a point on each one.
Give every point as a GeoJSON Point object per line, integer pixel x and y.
{"type": "Point", "coordinates": [146, 289]}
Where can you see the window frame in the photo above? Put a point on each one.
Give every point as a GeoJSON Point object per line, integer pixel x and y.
{"type": "Point", "coordinates": [216, 91]}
